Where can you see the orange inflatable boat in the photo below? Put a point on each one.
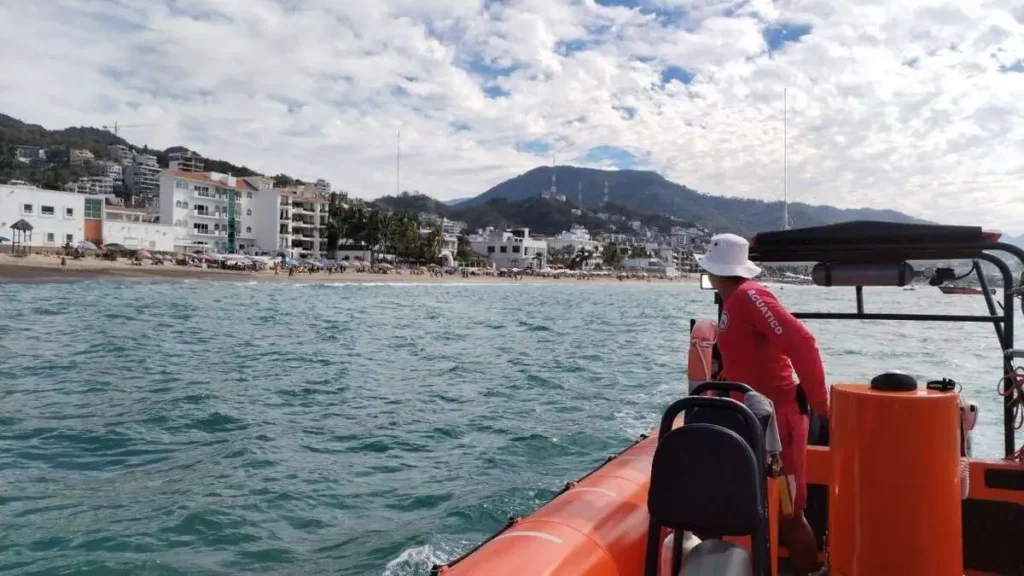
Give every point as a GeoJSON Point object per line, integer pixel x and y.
{"type": "Point", "coordinates": [893, 489]}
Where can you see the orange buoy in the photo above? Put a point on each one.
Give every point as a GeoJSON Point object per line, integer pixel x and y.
{"type": "Point", "coordinates": [700, 362]}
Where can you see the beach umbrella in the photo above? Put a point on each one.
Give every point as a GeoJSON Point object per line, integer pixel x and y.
{"type": "Point", "coordinates": [143, 254]}
{"type": "Point", "coordinates": [86, 245]}
{"type": "Point", "coordinates": [115, 246]}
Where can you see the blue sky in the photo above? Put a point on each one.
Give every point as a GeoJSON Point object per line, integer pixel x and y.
{"type": "Point", "coordinates": [907, 105]}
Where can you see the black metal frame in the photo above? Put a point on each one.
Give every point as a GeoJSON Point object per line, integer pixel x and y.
{"type": "Point", "coordinates": [1002, 321]}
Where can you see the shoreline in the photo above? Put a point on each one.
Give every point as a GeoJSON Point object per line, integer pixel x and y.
{"type": "Point", "coordinates": [42, 269]}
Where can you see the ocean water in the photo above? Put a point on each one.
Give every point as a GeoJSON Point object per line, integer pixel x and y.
{"type": "Point", "coordinates": [243, 428]}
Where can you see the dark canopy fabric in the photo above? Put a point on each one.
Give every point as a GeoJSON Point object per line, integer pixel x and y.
{"type": "Point", "coordinates": [867, 232]}
{"type": "Point", "coordinates": [22, 226]}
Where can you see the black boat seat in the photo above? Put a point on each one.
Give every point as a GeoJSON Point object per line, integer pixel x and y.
{"type": "Point", "coordinates": [716, 558]}
{"type": "Point", "coordinates": [708, 477]}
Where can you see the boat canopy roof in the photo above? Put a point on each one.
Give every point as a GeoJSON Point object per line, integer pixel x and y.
{"type": "Point", "coordinates": [873, 241]}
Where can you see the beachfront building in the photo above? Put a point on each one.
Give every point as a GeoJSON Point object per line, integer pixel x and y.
{"type": "Point", "coordinates": [511, 248]}
{"type": "Point", "coordinates": [134, 229]}
{"type": "Point", "coordinates": [57, 218]}
{"type": "Point", "coordinates": [309, 225]}
{"type": "Point", "coordinates": [577, 237]}
{"type": "Point", "coordinates": [273, 221]}
{"type": "Point", "coordinates": [215, 210]}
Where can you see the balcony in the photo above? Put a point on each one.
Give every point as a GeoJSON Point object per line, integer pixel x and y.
{"type": "Point", "coordinates": [208, 214]}
{"type": "Point", "coordinates": [214, 196]}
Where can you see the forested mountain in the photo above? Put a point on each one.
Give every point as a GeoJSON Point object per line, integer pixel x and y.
{"type": "Point", "coordinates": [649, 192]}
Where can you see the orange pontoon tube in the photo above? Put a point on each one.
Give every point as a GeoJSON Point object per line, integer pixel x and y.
{"type": "Point", "coordinates": [892, 489]}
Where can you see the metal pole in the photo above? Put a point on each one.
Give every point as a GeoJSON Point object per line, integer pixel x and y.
{"type": "Point", "coordinates": [785, 159]}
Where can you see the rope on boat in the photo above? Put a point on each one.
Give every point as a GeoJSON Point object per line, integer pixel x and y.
{"type": "Point", "coordinates": [1012, 386]}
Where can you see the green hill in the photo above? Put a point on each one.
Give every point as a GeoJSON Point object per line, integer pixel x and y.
{"type": "Point", "coordinates": [649, 192]}
{"type": "Point", "coordinates": [14, 133]}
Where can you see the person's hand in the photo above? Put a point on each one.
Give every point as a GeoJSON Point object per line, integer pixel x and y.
{"type": "Point", "coordinates": [822, 410]}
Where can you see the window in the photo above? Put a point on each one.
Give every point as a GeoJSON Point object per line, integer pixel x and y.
{"type": "Point", "coordinates": [26, 208]}
{"type": "Point", "coordinates": [248, 229]}
{"type": "Point", "coordinates": [152, 243]}
{"type": "Point", "coordinates": [69, 238]}
{"type": "Point", "coordinates": [248, 195]}
{"type": "Point", "coordinates": [490, 249]}
{"type": "Point", "coordinates": [248, 212]}
{"type": "Point", "coordinates": [49, 237]}
{"type": "Point", "coordinates": [504, 249]}
{"type": "Point", "coordinates": [93, 208]}
{"type": "Point", "coordinates": [47, 211]}
{"type": "Point", "coordinates": [181, 184]}
{"type": "Point", "coordinates": [526, 251]}
{"type": "Point", "coordinates": [178, 204]}
{"type": "Point", "coordinates": [184, 204]}
{"type": "Point", "coordinates": [516, 248]}
{"type": "Point", "coordinates": [69, 212]}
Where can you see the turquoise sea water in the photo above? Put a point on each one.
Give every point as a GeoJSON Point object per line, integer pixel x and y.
{"type": "Point", "coordinates": [233, 428]}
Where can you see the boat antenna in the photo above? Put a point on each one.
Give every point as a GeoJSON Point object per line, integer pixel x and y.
{"type": "Point", "coordinates": [785, 168]}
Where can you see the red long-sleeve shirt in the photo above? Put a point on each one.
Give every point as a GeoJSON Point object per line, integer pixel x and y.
{"type": "Point", "coordinates": [762, 343]}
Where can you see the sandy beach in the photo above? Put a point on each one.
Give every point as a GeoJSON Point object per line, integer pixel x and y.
{"type": "Point", "coordinates": [46, 268]}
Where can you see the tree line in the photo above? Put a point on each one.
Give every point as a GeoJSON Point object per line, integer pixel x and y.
{"type": "Point", "coordinates": [380, 232]}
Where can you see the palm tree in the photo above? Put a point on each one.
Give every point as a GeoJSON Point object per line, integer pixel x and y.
{"type": "Point", "coordinates": [336, 212]}
{"type": "Point", "coordinates": [405, 234]}
{"type": "Point", "coordinates": [432, 243]}
{"type": "Point", "coordinates": [580, 258]}
{"type": "Point", "coordinates": [611, 256]}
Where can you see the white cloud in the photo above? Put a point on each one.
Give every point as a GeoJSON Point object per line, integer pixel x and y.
{"type": "Point", "coordinates": [914, 105]}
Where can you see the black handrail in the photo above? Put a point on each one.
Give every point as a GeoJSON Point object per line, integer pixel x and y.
{"type": "Point", "coordinates": [688, 402]}
{"type": "Point", "coordinates": [721, 386]}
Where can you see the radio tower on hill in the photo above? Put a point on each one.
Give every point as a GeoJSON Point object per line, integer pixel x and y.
{"type": "Point", "coordinates": [554, 178]}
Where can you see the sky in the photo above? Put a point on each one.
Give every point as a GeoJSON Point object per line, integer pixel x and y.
{"type": "Point", "coordinates": [915, 105]}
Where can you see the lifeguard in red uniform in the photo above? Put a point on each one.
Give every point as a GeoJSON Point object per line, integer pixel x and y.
{"type": "Point", "coordinates": [762, 345]}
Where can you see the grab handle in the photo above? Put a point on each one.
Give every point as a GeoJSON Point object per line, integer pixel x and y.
{"type": "Point", "coordinates": [721, 387]}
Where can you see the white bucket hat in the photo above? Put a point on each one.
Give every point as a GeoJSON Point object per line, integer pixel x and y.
{"type": "Point", "coordinates": [728, 255]}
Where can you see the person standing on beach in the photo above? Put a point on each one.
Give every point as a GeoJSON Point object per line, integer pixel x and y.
{"type": "Point", "coordinates": [762, 345]}
{"type": "Point", "coordinates": [63, 263]}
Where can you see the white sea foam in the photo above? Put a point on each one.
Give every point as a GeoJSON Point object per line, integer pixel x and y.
{"type": "Point", "coordinates": [416, 560]}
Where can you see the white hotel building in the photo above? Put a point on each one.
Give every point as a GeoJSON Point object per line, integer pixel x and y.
{"type": "Point", "coordinates": [511, 248]}
{"type": "Point", "coordinates": [57, 218]}
{"type": "Point", "coordinates": [577, 237]}
{"type": "Point", "coordinates": [206, 206]}
{"type": "Point", "coordinates": [266, 219]}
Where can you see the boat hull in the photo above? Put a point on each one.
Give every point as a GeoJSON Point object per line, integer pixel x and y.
{"type": "Point", "coordinates": [596, 526]}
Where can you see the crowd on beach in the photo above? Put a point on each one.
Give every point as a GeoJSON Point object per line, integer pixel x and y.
{"type": "Point", "coordinates": [116, 258]}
